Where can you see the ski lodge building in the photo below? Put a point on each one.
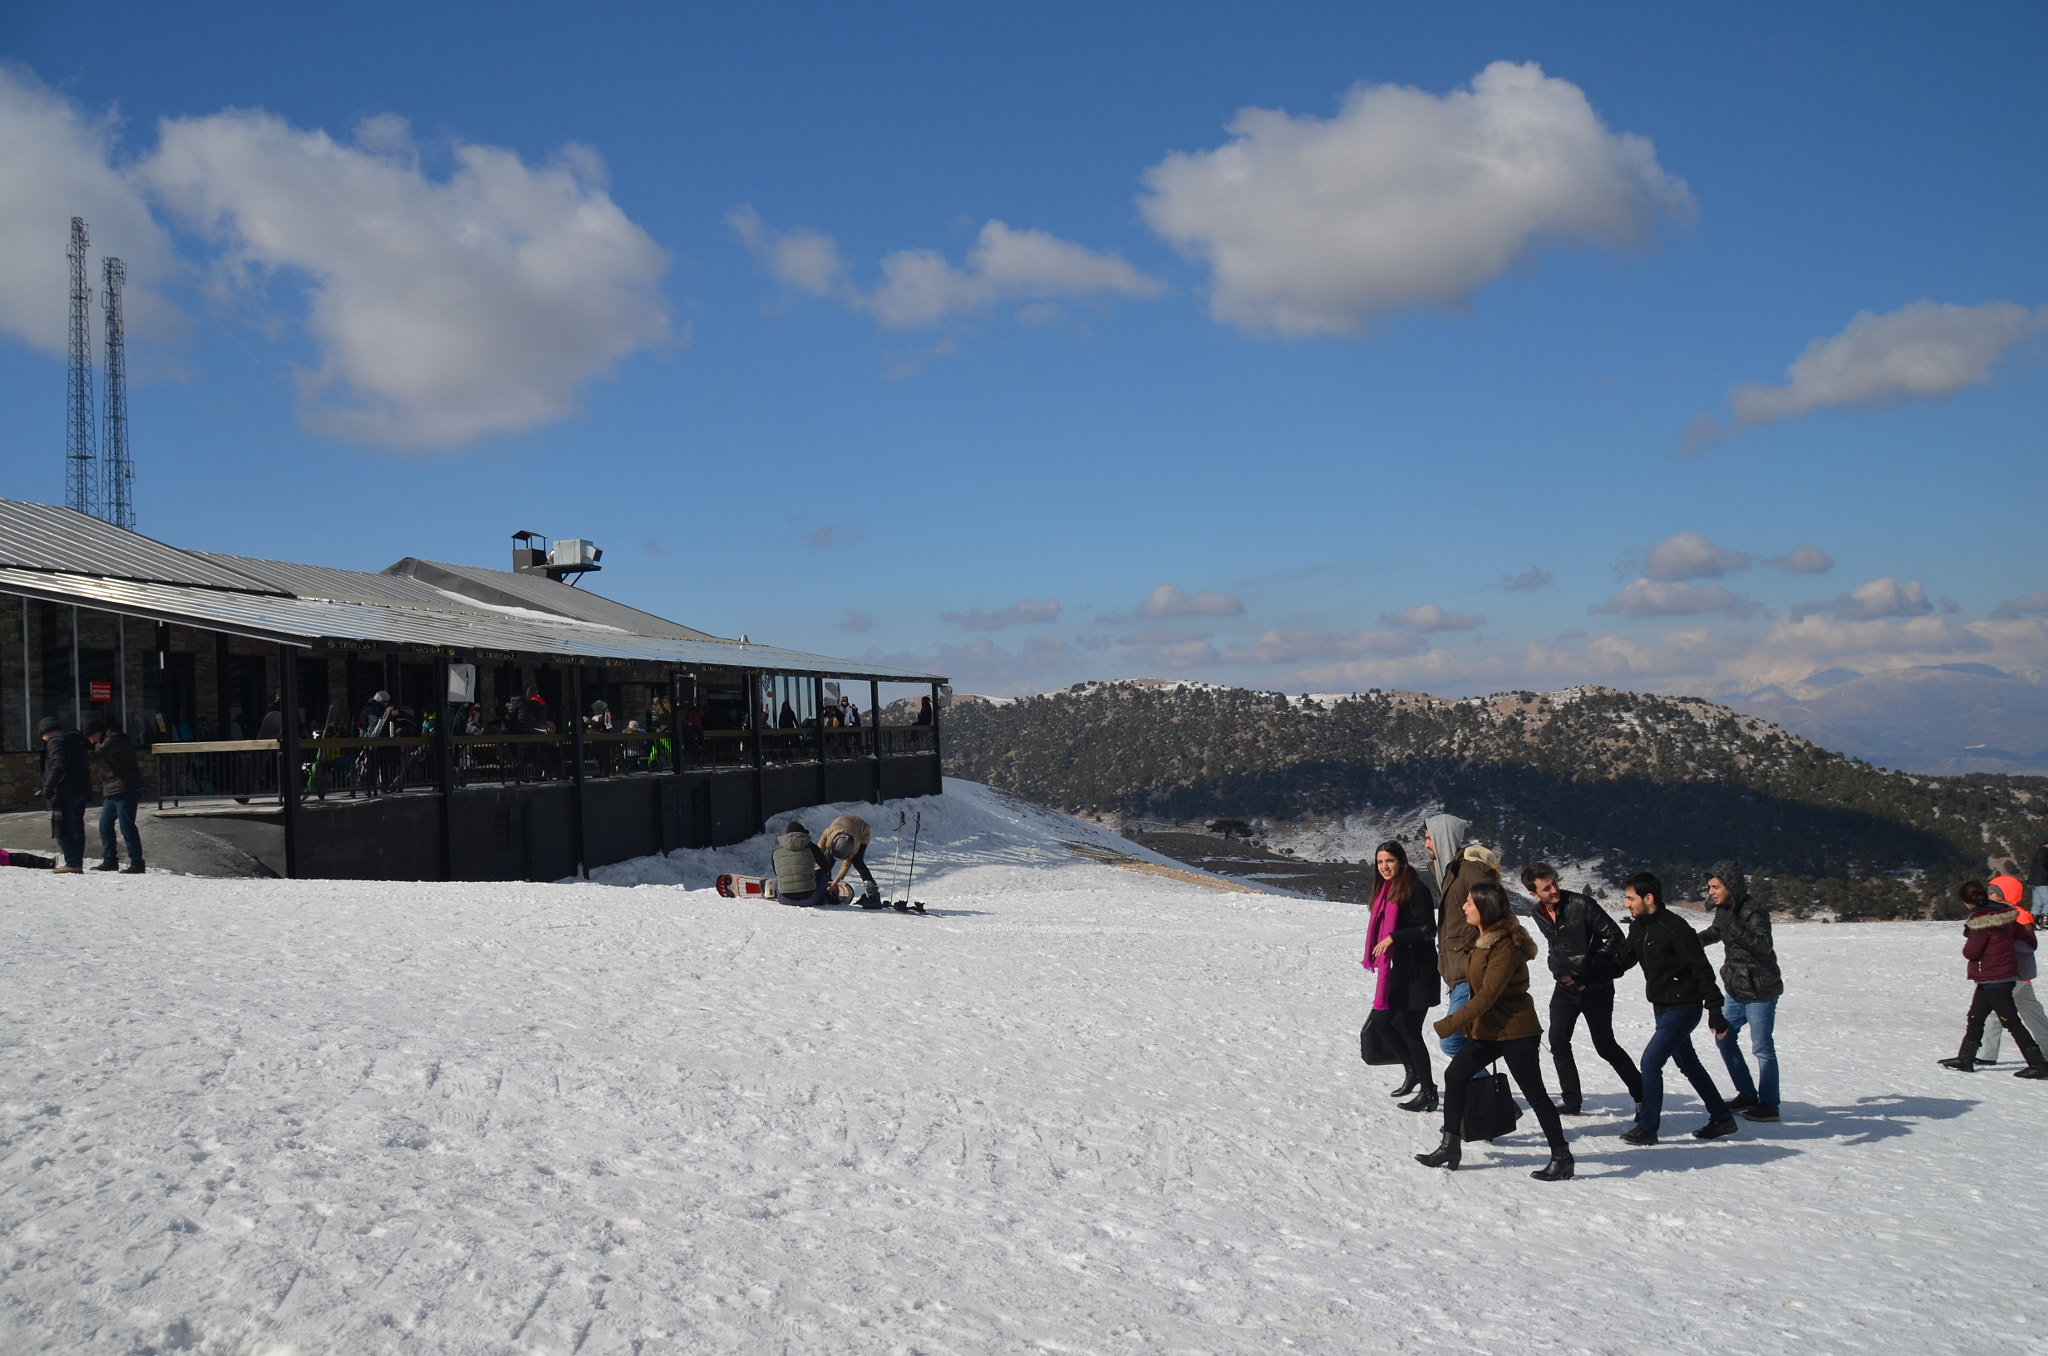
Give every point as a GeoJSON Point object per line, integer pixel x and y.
{"type": "Point", "coordinates": [189, 651]}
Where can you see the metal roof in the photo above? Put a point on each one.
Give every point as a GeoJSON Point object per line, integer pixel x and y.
{"type": "Point", "coordinates": [303, 621]}
{"type": "Point", "coordinates": [502, 588]}
{"type": "Point", "coordinates": [340, 586]}
{"type": "Point", "coordinates": [44, 537]}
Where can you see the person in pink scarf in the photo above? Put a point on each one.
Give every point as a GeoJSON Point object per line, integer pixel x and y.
{"type": "Point", "coordinates": [1400, 953]}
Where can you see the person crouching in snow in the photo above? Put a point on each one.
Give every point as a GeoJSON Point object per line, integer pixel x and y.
{"type": "Point", "coordinates": [845, 839]}
{"type": "Point", "coordinates": [1498, 1023]}
{"type": "Point", "coordinates": [2024, 1002]}
{"type": "Point", "coordinates": [1992, 942]}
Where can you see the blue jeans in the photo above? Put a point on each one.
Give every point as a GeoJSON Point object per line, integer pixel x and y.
{"type": "Point", "coordinates": [1460, 995]}
{"type": "Point", "coordinates": [1759, 1017]}
{"type": "Point", "coordinates": [1672, 1041]}
{"type": "Point", "coordinates": [120, 810]}
{"type": "Point", "coordinates": [71, 831]}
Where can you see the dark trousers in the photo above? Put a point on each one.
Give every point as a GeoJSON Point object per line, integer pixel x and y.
{"type": "Point", "coordinates": [1595, 1003]}
{"type": "Point", "coordinates": [1523, 1063]}
{"type": "Point", "coordinates": [1406, 1028]}
{"type": "Point", "coordinates": [1672, 1043]}
{"type": "Point", "coordinates": [859, 862]}
{"type": "Point", "coordinates": [1997, 998]}
{"type": "Point", "coordinates": [120, 810]}
{"type": "Point", "coordinates": [68, 829]}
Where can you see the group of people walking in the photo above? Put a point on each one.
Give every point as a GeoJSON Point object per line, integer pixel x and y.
{"type": "Point", "coordinates": [1449, 933]}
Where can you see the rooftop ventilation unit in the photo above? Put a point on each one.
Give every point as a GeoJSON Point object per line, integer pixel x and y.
{"type": "Point", "coordinates": [572, 556]}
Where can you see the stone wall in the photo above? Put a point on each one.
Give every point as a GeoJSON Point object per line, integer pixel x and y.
{"type": "Point", "coordinates": [21, 781]}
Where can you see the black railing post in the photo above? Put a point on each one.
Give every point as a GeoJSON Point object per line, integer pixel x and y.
{"type": "Point", "coordinates": [444, 770]}
{"type": "Point", "coordinates": [875, 734]}
{"type": "Point", "coordinates": [752, 679]}
{"type": "Point", "coordinates": [288, 755]}
{"type": "Point", "coordinates": [818, 721]}
{"type": "Point", "coordinates": [576, 752]}
{"type": "Point", "coordinates": [938, 763]}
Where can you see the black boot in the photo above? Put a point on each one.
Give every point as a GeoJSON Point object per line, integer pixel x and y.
{"type": "Point", "coordinates": [1558, 1169]}
{"type": "Point", "coordinates": [1964, 1063]}
{"type": "Point", "coordinates": [1421, 1101]}
{"type": "Point", "coordinates": [1408, 1087]}
{"type": "Point", "coordinates": [1446, 1155]}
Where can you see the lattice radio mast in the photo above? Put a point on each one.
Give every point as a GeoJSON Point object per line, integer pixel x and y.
{"type": "Point", "coordinates": [117, 472]}
{"type": "Point", "coordinates": [81, 491]}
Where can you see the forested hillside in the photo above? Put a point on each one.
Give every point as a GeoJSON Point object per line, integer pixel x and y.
{"type": "Point", "coordinates": [1668, 783]}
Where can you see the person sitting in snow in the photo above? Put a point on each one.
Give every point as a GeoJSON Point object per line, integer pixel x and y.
{"type": "Point", "coordinates": [1992, 942]}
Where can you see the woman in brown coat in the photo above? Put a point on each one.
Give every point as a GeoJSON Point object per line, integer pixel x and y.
{"type": "Point", "coordinates": [1499, 1023]}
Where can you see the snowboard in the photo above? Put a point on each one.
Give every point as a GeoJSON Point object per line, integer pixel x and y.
{"type": "Point", "coordinates": [763, 887]}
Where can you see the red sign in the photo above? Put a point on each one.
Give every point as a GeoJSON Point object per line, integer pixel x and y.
{"type": "Point", "coordinates": [100, 692]}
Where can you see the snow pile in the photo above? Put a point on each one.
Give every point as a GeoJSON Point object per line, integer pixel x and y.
{"type": "Point", "coordinates": [1078, 1109]}
{"type": "Point", "coordinates": [970, 826]}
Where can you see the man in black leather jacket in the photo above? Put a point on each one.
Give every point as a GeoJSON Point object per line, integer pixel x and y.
{"type": "Point", "coordinates": [1679, 983]}
{"type": "Point", "coordinates": [1587, 954]}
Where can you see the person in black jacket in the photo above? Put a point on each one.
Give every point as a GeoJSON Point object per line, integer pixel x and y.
{"type": "Point", "coordinates": [2037, 883]}
{"type": "Point", "coordinates": [1679, 983]}
{"type": "Point", "coordinates": [120, 794]}
{"type": "Point", "coordinates": [1749, 969]}
{"type": "Point", "coordinates": [67, 785]}
{"type": "Point", "coordinates": [1587, 954]}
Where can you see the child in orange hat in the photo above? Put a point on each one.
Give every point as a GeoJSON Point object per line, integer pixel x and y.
{"type": "Point", "coordinates": [2008, 890]}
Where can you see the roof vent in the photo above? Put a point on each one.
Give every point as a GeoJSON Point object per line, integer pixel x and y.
{"type": "Point", "coordinates": [571, 556]}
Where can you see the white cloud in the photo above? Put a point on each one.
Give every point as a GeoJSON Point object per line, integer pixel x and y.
{"type": "Point", "coordinates": [1530, 580]}
{"type": "Point", "coordinates": [975, 619]}
{"type": "Point", "coordinates": [1804, 560]}
{"type": "Point", "coordinates": [1885, 597]}
{"type": "Point", "coordinates": [802, 259]}
{"type": "Point", "coordinates": [1429, 617]}
{"type": "Point", "coordinates": [857, 622]}
{"type": "Point", "coordinates": [1659, 598]}
{"type": "Point", "coordinates": [1688, 555]}
{"type": "Point", "coordinates": [921, 288]}
{"type": "Point", "coordinates": [1925, 350]}
{"type": "Point", "coordinates": [442, 310]}
{"type": "Point", "coordinates": [1404, 199]}
{"type": "Point", "coordinates": [981, 660]}
{"type": "Point", "coordinates": [2033, 605]}
{"type": "Point", "coordinates": [1314, 647]}
{"type": "Point", "coordinates": [59, 165]}
{"type": "Point", "coordinates": [1170, 601]}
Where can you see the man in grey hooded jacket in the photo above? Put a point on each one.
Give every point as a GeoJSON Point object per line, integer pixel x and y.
{"type": "Point", "coordinates": [1444, 837]}
{"type": "Point", "coordinates": [1752, 982]}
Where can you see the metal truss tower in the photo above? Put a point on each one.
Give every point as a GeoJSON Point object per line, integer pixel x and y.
{"type": "Point", "coordinates": [117, 472]}
{"type": "Point", "coordinates": [81, 488]}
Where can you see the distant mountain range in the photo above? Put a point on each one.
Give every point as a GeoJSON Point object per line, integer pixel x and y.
{"type": "Point", "coordinates": [1622, 780]}
{"type": "Point", "coordinates": [1942, 718]}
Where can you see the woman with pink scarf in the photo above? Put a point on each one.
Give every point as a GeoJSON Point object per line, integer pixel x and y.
{"type": "Point", "coordinates": [1400, 952]}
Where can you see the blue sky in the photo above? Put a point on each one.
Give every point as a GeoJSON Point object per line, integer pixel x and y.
{"type": "Point", "coordinates": [885, 332]}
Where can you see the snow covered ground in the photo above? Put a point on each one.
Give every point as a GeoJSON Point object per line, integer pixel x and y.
{"type": "Point", "coordinates": [1078, 1109]}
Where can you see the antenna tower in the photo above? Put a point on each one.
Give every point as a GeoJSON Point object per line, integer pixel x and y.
{"type": "Point", "coordinates": [80, 490]}
{"type": "Point", "coordinates": [117, 472]}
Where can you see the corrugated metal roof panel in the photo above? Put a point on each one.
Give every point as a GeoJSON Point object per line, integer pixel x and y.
{"type": "Point", "coordinates": [506, 589]}
{"type": "Point", "coordinates": [303, 620]}
{"type": "Point", "coordinates": [44, 537]}
{"type": "Point", "coordinates": [346, 586]}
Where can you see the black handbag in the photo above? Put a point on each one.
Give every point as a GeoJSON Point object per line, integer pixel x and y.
{"type": "Point", "coordinates": [1490, 1108]}
{"type": "Point", "coordinates": [1376, 1043]}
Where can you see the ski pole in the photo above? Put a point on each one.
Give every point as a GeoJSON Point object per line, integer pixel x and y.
{"type": "Point", "coordinates": [917, 829]}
